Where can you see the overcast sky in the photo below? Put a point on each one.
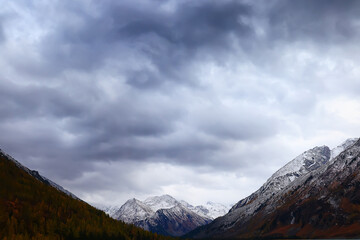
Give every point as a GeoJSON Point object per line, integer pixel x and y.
{"type": "Point", "coordinates": [202, 100]}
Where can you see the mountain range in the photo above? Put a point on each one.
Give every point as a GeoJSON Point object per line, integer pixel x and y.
{"type": "Point", "coordinates": [166, 215]}
{"type": "Point", "coordinates": [316, 195]}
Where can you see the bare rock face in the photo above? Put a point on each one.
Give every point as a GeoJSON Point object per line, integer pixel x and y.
{"type": "Point", "coordinates": [312, 196]}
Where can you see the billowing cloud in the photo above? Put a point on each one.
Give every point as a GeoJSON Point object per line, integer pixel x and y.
{"type": "Point", "coordinates": [93, 93]}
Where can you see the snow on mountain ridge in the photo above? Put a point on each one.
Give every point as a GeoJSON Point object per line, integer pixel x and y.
{"type": "Point", "coordinates": [292, 174]}
{"type": "Point", "coordinates": [175, 221]}
{"type": "Point", "coordinates": [151, 205]}
{"type": "Point", "coordinates": [161, 202]}
{"type": "Point", "coordinates": [337, 150]}
{"type": "Point", "coordinates": [109, 210]}
{"type": "Point", "coordinates": [313, 198]}
{"type": "Point", "coordinates": [217, 209]}
{"type": "Point", "coordinates": [304, 163]}
{"type": "Point", "coordinates": [186, 204]}
{"type": "Point", "coordinates": [161, 214]}
{"type": "Point", "coordinates": [133, 210]}
{"type": "Point", "coordinates": [211, 210]}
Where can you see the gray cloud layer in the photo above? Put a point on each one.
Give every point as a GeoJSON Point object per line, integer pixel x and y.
{"type": "Point", "coordinates": [207, 85]}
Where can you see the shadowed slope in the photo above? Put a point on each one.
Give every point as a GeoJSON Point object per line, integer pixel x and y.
{"type": "Point", "coordinates": [32, 209]}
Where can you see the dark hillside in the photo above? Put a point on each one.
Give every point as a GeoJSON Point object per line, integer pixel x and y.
{"type": "Point", "coordinates": [31, 209]}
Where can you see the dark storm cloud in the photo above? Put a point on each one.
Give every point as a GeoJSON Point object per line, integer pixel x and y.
{"type": "Point", "coordinates": [81, 41]}
{"type": "Point", "coordinates": [168, 40]}
{"type": "Point", "coordinates": [193, 152]}
{"type": "Point", "coordinates": [192, 83]}
{"type": "Point", "coordinates": [2, 36]}
{"type": "Point", "coordinates": [194, 24]}
{"type": "Point", "coordinates": [319, 21]}
{"type": "Point", "coordinates": [33, 101]}
{"type": "Point", "coordinates": [70, 131]}
{"type": "Point", "coordinates": [143, 79]}
{"type": "Point", "coordinates": [3, 18]}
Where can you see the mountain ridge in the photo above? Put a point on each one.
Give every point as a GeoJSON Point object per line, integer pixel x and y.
{"type": "Point", "coordinates": [249, 220]}
{"type": "Point", "coordinates": [160, 214]}
{"type": "Point", "coordinates": [174, 221]}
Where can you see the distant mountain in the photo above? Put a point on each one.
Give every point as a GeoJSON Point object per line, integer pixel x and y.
{"type": "Point", "coordinates": [210, 210]}
{"type": "Point", "coordinates": [109, 210]}
{"type": "Point", "coordinates": [316, 195]}
{"type": "Point", "coordinates": [132, 211]}
{"type": "Point", "coordinates": [174, 221]}
{"type": "Point", "coordinates": [33, 207]}
{"type": "Point", "coordinates": [166, 215]}
{"type": "Point", "coordinates": [161, 202]}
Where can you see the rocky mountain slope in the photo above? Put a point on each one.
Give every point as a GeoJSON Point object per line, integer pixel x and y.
{"type": "Point", "coordinates": [313, 196]}
{"type": "Point", "coordinates": [210, 210]}
{"type": "Point", "coordinates": [132, 211]}
{"type": "Point", "coordinates": [166, 215]}
{"type": "Point", "coordinates": [175, 221]}
{"type": "Point", "coordinates": [301, 165]}
{"type": "Point", "coordinates": [337, 150]}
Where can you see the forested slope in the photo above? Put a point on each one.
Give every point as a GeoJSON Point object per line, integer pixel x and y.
{"type": "Point", "coordinates": [30, 209]}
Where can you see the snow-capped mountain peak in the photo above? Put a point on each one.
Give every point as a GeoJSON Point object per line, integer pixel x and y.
{"type": "Point", "coordinates": [216, 209]}
{"type": "Point", "coordinates": [161, 202]}
{"type": "Point", "coordinates": [337, 150]}
{"type": "Point", "coordinates": [291, 175]}
{"type": "Point", "coordinates": [174, 221]}
{"type": "Point", "coordinates": [304, 163]}
{"type": "Point", "coordinates": [166, 215]}
{"type": "Point", "coordinates": [161, 214]}
{"type": "Point", "coordinates": [133, 210]}
{"type": "Point", "coordinates": [210, 210]}
{"type": "Point", "coordinates": [311, 200]}
{"type": "Point", "coordinates": [186, 204]}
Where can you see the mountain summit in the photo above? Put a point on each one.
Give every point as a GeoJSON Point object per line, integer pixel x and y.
{"type": "Point", "coordinates": [166, 215]}
{"type": "Point", "coordinates": [313, 196]}
{"type": "Point", "coordinates": [161, 202]}
{"type": "Point", "coordinates": [132, 211]}
{"type": "Point", "coordinates": [301, 165]}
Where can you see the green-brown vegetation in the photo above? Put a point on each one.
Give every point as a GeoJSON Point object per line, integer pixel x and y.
{"type": "Point", "coordinates": [30, 209]}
